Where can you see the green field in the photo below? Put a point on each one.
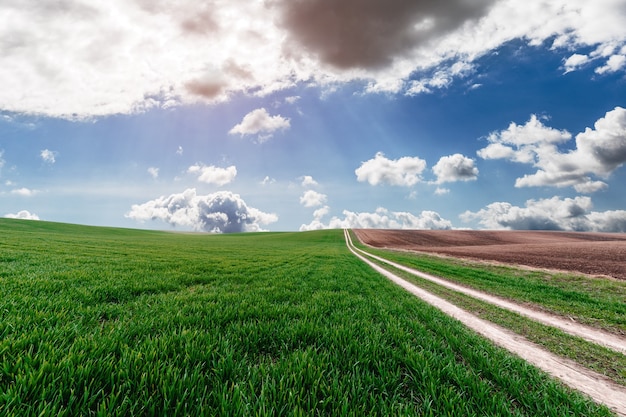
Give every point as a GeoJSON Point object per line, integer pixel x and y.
{"type": "Point", "coordinates": [99, 321]}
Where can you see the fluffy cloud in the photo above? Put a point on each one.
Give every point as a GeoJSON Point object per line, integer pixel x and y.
{"type": "Point", "coordinates": [52, 52]}
{"type": "Point", "coordinates": [455, 168]}
{"type": "Point", "coordinates": [405, 171]}
{"type": "Point", "coordinates": [613, 64]}
{"type": "Point", "coordinates": [312, 198]}
{"type": "Point", "coordinates": [598, 152]}
{"type": "Point", "coordinates": [575, 61]}
{"type": "Point", "coordinates": [48, 156]}
{"type": "Point", "coordinates": [549, 214]}
{"type": "Point", "coordinates": [23, 214]}
{"type": "Point", "coordinates": [260, 122]}
{"type": "Point", "coordinates": [221, 212]}
{"type": "Point", "coordinates": [380, 219]}
{"type": "Point", "coordinates": [214, 175]}
{"type": "Point", "coordinates": [308, 181]}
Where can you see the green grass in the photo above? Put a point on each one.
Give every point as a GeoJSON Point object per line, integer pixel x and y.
{"type": "Point", "coordinates": [98, 321]}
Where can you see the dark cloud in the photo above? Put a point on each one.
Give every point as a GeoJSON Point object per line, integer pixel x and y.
{"type": "Point", "coordinates": [205, 87]}
{"type": "Point", "coordinates": [370, 33]}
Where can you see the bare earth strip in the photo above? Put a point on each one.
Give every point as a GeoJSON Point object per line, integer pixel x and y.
{"type": "Point", "coordinates": [591, 383]}
{"type": "Point", "coordinates": [587, 253]}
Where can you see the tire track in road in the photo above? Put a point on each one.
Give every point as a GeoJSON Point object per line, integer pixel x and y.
{"type": "Point", "coordinates": [596, 386]}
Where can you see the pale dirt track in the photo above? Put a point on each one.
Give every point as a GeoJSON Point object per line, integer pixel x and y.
{"type": "Point", "coordinates": [587, 253]}
{"type": "Point", "coordinates": [598, 387]}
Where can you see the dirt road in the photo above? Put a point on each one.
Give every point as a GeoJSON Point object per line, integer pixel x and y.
{"type": "Point", "coordinates": [596, 386]}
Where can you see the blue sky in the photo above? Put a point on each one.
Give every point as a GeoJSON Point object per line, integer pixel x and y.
{"type": "Point", "coordinates": [230, 116]}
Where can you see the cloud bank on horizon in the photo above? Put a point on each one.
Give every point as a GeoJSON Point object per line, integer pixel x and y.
{"type": "Point", "coordinates": [83, 62]}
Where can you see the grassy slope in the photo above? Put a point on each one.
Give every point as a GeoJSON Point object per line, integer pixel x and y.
{"type": "Point", "coordinates": [97, 320]}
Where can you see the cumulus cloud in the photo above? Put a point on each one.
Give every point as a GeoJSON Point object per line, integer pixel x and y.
{"type": "Point", "coordinates": [154, 172]}
{"type": "Point", "coordinates": [405, 171]}
{"type": "Point", "coordinates": [572, 214]}
{"type": "Point", "coordinates": [48, 156]}
{"type": "Point", "coordinates": [23, 214]}
{"type": "Point", "coordinates": [599, 152]}
{"type": "Point", "coordinates": [455, 168]}
{"type": "Point", "coordinates": [312, 198]}
{"type": "Point", "coordinates": [260, 122]}
{"type": "Point", "coordinates": [220, 212]}
{"type": "Point", "coordinates": [613, 64]}
{"type": "Point", "coordinates": [308, 181]}
{"type": "Point", "coordinates": [380, 219]}
{"type": "Point", "coordinates": [213, 175]}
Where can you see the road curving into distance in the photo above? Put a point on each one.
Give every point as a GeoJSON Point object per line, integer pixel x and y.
{"type": "Point", "coordinates": [596, 386]}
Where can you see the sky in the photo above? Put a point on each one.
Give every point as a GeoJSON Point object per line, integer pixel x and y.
{"type": "Point", "coordinates": [286, 115]}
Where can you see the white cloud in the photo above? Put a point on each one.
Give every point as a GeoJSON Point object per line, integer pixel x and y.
{"type": "Point", "coordinates": [312, 198]}
{"type": "Point", "coordinates": [442, 78]}
{"type": "Point", "coordinates": [549, 214]}
{"type": "Point", "coordinates": [308, 181]}
{"type": "Point", "coordinates": [24, 192]}
{"type": "Point", "coordinates": [53, 52]}
{"type": "Point", "coordinates": [267, 180]}
{"type": "Point", "coordinates": [405, 171]}
{"type": "Point", "coordinates": [154, 172]}
{"type": "Point", "coordinates": [179, 151]}
{"type": "Point", "coordinates": [260, 122]}
{"type": "Point", "coordinates": [599, 152]}
{"type": "Point", "coordinates": [613, 64]}
{"type": "Point", "coordinates": [23, 214]}
{"type": "Point", "coordinates": [455, 168]}
{"type": "Point", "coordinates": [381, 219]}
{"type": "Point", "coordinates": [214, 175]}
{"type": "Point", "coordinates": [321, 212]}
{"type": "Point", "coordinates": [48, 156]}
{"type": "Point", "coordinates": [220, 212]}
{"type": "Point", "coordinates": [442, 191]}
{"type": "Point", "coordinates": [575, 61]}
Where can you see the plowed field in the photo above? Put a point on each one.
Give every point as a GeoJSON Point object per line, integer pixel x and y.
{"type": "Point", "coordinates": [587, 253]}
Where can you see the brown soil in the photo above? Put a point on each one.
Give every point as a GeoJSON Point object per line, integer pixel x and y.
{"type": "Point", "coordinates": [587, 253]}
